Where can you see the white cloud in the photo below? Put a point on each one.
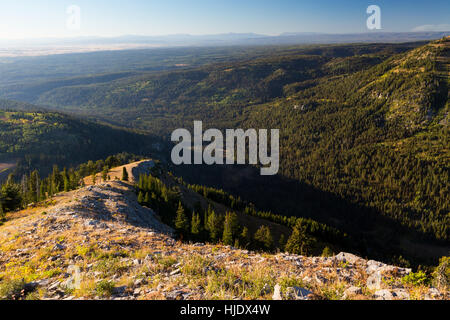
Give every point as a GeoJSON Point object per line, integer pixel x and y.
{"type": "Point", "coordinates": [433, 27]}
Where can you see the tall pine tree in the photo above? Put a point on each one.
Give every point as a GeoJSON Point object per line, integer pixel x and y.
{"type": "Point", "coordinates": [124, 174]}
{"type": "Point", "coordinates": [196, 225]}
{"type": "Point", "coordinates": [181, 221]}
{"type": "Point", "coordinates": [230, 229]}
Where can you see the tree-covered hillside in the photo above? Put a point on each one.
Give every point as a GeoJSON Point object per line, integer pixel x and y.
{"type": "Point", "coordinates": [369, 150]}
{"type": "Point", "coordinates": [378, 138]}
{"type": "Point", "coordinates": [42, 139]}
{"type": "Point", "coordinates": [213, 84]}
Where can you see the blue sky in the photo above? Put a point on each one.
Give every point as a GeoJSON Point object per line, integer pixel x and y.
{"type": "Point", "coordinates": [47, 18]}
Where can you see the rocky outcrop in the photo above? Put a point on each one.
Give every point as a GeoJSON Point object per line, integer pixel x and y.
{"type": "Point", "coordinates": [99, 243]}
{"type": "Point", "coordinates": [143, 167]}
{"type": "Point", "coordinates": [102, 204]}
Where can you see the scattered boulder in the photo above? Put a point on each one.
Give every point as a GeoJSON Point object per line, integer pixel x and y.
{"type": "Point", "coordinates": [140, 282]}
{"type": "Point", "coordinates": [346, 257]}
{"type": "Point", "coordinates": [375, 281]}
{"type": "Point", "coordinates": [383, 295]}
{"type": "Point", "coordinates": [352, 291]}
{"type": "Point", "coordinates": [175, 295]}
{"type": "Point", "coordinates": [53, 286]}
{"type": "Point", "coordinates": [373, 266]}
{"type": "Point", "coordinates": [297, 293]}
{"type": "Point", "coordinates": [401, 294]}
{"type": "Point", "coordinates": [119, 290]}
{"type": "Point", "coordinates": [393, 294]}
{"type": "Point", "coordinates": [433, 294]}
{"type": "Point", "coordinates": [37, 284]}
{"type": "Point", "coordinates": [58, 247]}
{"type": "Point", "coordinates": [292, 293]}
{"type": "Point", "coordinates": [265, 290]}
{"type": "Point", "coordinates": [137, 292]}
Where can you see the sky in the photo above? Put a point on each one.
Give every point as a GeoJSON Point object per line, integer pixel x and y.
{"type": "Point", "coordinates": [23, 19]}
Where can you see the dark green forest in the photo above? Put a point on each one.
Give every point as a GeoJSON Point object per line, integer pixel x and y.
{"type": "Point", "coordinates": [39, 140]}
{"type": "Point", "coordinates": [378, 138]}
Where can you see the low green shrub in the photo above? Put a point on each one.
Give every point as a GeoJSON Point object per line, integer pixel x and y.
{"type": "Point", "coordinates": [416, 279]}
{"type": "Point", "coordinates": [12, 289]}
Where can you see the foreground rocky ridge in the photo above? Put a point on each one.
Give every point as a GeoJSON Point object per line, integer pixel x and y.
{"type": "Point", "coordinates": [99, 243]}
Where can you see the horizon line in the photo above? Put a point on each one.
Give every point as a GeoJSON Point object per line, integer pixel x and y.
{"type": "Point", "coordinates": [286, 33]}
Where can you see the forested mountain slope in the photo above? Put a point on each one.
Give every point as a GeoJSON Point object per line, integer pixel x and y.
{"type": "Point", "coordinates": [215, 85]}
{"type": "Point", "coordinates": [39, 139]}
{"type": "Point", "coordinates": [379, 137]}
{"type": "Point", "coordinates": [368, 152]}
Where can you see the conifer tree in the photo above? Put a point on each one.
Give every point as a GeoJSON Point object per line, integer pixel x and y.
{"type": "Point", "coordinates": [196, 224]}
{"type": "Point", "coordinates": [141, 182]}
{"type": "Point", "coordinates": [245, 237]}
{"type": "Point", "coordinates": [208, 212]}
{"type": "Point", "coordinates": [299, 242]}
{"type": "Point", "coordinates": [140, 197]}
{"type": "Point", "coordinates": [11, 197]}
{"type": "Point", "coordinates": [124, 174]}
{"type": "Point", "coordinates": [2, 213]}
{"type": "Point", "coordinates": [227, 235]}
{"type": "Point", "coordinates": [214, 225]}
{"type": "Point", "coordinates": [105, 173]}
{"type": "Point", "coordinates": [327, 252]}
{"type": "Point", "coordinates": [66, 184]}
{"type": "Point", "coordinates": [282, 242]}
{"type": "Point", "coordinates": [181, 221]}
{"type": "Point", "coordinates": [264, 238]}
{"type": "Point", "coordinates": [230, 228]}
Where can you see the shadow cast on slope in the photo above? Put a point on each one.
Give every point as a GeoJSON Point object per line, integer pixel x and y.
{"type": "Point", "coordinates": [372, 233]}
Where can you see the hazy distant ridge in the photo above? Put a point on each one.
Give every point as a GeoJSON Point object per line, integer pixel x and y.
{"type": "Point", "coordinates": [234, 39]}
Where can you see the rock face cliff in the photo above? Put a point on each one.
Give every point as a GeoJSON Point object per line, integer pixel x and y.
{"type": "Point", "coordinates": [99, 243]}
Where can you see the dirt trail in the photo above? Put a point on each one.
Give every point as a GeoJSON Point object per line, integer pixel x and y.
{"type": "Point", "coordinates": [116, 173]}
